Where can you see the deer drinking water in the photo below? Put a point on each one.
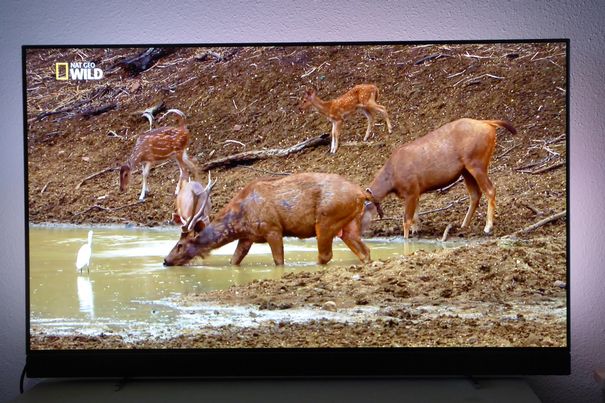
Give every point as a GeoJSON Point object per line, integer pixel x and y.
{"type": "Point", "coordinates": [462, 147]}
{"type": "Point", "coordinates": [158, 145]}
{"type": "Point", "coordinates": [303, 205]}
{"type": "Point", "coordinates": [361, 97]}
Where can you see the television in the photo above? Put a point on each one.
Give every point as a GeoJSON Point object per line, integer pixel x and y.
{"type": "Point", "coordinates": [271, 134]}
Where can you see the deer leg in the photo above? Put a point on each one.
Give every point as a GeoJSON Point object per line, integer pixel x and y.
{"type": "Point", "coordinates": [145, 172]}
{"type": "Point", "coordinates": [410, 209]}
{"type": "Point", "coordinates": [486, 186]}
{"type": "Point", "coordinates": [276, 242]}
{"type": "Point", "coordinates": [336, 125]}
{"type": "Point", "coordinates": [373, 106]}
{"type": "Point", "coordinates": [474, 194]}
{"type": "Point", "coordinates": [370, 118]}
{"type": "Point", "coordinates": [351, 236]}
{"type": "Point", "coordinates": [324, 236]}
{"type": "Point", "coordinates": [243, 247]}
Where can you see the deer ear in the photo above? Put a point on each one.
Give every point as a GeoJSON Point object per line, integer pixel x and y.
{"type": "Point", "coordinates": [177, 219]}
{"type": "Point", "coordinates": [199, 226]}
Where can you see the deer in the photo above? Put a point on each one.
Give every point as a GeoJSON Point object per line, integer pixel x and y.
{"type": "Point", "coordinates": [303, 205]}
{"type": "Point", "coordinates": [462, 147]}
{"type": "Point", "coordinates": [158, 145]}
{"type": "Point", "coordinates": [193, 206]}
{"type": "Point", "coordinates": [361, 97]}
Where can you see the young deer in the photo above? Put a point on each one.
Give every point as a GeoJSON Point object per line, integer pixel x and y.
{"type": "Point", "coordinates": [159, 145]}
{"type": "Point", "coordinates": [362, 97]}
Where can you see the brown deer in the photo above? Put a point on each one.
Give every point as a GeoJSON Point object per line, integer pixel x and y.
{"type": "Point", "coordinates": [158, 145]}
{"type": "Point", "coordinates": [303, 205]}
{"type": "Point", "coordinates": [361, 97]}
{"type": "Point", "coordinates": [462, 147]}
{"type": "Point", "coordinates": [193, 206]}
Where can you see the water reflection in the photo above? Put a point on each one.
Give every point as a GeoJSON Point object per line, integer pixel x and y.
{"type": "Point", "coordinates": [86, 296]}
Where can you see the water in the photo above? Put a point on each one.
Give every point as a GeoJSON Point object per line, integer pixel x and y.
{"type": "Point", "coordinates": [127, 288]}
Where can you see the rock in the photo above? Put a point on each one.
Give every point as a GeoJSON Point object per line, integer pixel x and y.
{"type": "Point", "coordinates": [560, 284]}
{"type": "Point", "coordinates": [329, 306]}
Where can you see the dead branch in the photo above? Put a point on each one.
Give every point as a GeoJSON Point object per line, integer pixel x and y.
{"type": "Point", "coordinates": [91, 208]}
{"type": "Point", "coordinates": [503, 153]}
{"type": "Point", "coordinates": [446, 232]}
{"type": "Point", "coordinates": [556, 139]}
{"type": "Point", "coordinates": [92, 176]}
{"type": "Point", "coordinates": [545, 169]}
{"type": "Point", "coordinates": [540, 223]}
{"type": "Point", "coordinates": [430, 58]}
{"type": "Point", "coordinates": [143, 61]}
{"type": "Point", "coordinates": [263, 154]}
{"type": "Point", "coordinates": [94, 111]}
{"type": "Point", "coordinates": [446, 207]}
{"type": "Point", "coordinates": [532, 208]}
{"type": "Point", "coordinates": [451, 185]}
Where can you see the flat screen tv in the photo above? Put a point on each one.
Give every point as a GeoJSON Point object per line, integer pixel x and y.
{"type": "Point", "coordinates": [297, 209]}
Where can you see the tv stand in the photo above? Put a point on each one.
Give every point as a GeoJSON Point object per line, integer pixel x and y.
{"type": "Point", "coordinates": [280, 390]}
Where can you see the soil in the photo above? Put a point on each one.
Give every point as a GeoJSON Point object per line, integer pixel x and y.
{"type": "Point", "coordinates": [249, 100]}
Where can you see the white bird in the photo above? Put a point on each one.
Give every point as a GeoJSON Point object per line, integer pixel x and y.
{"type": "Point", "coordinates": [84, 253]}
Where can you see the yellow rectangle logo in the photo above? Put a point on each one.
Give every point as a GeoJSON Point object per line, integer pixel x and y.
{"type": "Point", "coordinates": [62, 71]}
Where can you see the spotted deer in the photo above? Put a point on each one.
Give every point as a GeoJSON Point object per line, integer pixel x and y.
{"type": "Point", "coordinates": [361, 97]}
{"type": "Point", "coordinates": [158, 145]}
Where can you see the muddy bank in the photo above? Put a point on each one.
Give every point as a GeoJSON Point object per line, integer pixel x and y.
{"type": "Point", "coordinates": [467, 296]}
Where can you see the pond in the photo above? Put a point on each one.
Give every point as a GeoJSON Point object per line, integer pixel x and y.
{"type": "Point", "coordinates": [127, 288]}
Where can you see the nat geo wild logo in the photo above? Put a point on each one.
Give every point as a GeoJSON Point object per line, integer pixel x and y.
{"type": "Point", "coordinates": [77, 71]}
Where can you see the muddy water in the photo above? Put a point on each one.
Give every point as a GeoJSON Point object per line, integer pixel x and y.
{"type": "Point", "coordinates": [127, 289]}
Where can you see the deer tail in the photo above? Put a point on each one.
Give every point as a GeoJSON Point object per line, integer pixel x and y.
{"type": "Point", "coordinates": [502, 123]}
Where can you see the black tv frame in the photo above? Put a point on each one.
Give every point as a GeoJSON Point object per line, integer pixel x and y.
{"type": "Point", "coordinates": [297, 362]}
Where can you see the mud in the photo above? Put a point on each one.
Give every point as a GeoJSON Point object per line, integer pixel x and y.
{"type": "Point", "coordinates": [252, 96]}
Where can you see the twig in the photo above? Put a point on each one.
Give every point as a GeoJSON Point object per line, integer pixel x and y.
{"type": "Point", "coordinates": [533, 209]}
{"type": "Point", "coordinates": [44, 187]}
{"type": "Point", "coordinates": [545, 169]}
{"type": "Point", "coordinates": [234, 142]}
{"type": "Point", "coordinates": [126, 206]}
{"type": "Point", "coordinates": [430, 58]}
{"type": "Point", "coordinates": [446, 232]}
{"type": "Point", "coordinates": [89, 177]}
{"type": "Point", "coordinates": [503, 153]}
{"type": "Point", "coordinates": [451, 185]}
{"type": "Point", "coordinates": [95, 207]}
{"type": "Point", "coordinates": [540, 223]}
{"type": "Point", "coordinates": [446, 207]}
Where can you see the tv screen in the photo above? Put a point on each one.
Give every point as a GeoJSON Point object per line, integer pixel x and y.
{"type": "Point", "coordinates": [314, 209]}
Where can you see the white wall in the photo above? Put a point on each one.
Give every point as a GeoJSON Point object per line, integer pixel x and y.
{"type": "Point", "coordinates": [170, 21]}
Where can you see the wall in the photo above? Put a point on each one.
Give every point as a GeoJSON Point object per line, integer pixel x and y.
{"type": "Point", "coordinates": [166, 21]}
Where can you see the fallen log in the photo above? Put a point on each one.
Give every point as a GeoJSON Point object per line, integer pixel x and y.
{"type": "Point", "coordinates": [540, 223]}
{"type": "Point", "coordinates": [255, 155]}
{"type": "Point", "coordinates": [143, 61]}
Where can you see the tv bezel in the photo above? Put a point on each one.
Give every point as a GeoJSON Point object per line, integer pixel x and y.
{"type": "Point", "coordinates": [297, 362]}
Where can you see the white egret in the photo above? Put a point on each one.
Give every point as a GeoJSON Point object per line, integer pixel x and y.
{"type": "Point", "coordinates": [84, 253]}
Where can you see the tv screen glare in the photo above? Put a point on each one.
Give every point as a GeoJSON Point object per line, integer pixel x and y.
{"type": "Point", "coordinates": [297, 209]}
